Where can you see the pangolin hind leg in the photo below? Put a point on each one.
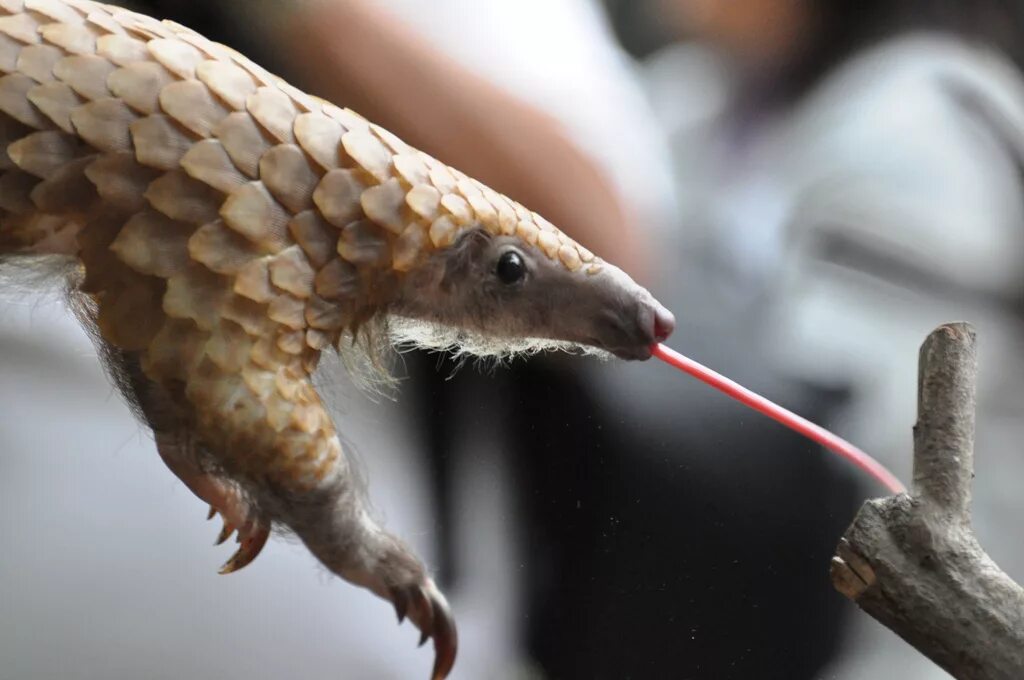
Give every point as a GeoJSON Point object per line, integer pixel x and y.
{"type": "Point", "coordinates": [177, 445]}
{"type": "Point", "coordinates": [270, 429]}
{"type": "Point", "coordinates": [224, 497]}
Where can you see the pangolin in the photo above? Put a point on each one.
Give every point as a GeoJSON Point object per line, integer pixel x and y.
{"type": "Point", "coordinates": [219, 229]}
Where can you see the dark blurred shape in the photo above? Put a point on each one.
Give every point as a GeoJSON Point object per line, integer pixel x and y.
{"type": "Point", "coordinates": [218, 21]}
{"type": "Point", "coordinates": [669, 573]}
{"type": "Point", "coordinates": [638, 26]}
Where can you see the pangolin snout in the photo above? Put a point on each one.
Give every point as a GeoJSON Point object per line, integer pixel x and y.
{"type": "Point", "coordinates": [664, 323]}
{"type": "Point", "coordinates": [633, 331]}
{"type": "Point", "coordinates": [623, 318]}
{"type": "Point", "coordinates": [653, 324]}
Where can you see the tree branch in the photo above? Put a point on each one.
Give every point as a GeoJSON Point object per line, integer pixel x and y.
{"type": "Point", "coordinates": [912, 561]}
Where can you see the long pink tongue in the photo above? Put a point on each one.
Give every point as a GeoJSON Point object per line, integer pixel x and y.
{"type": "Point", "coordinates": [788, 418]}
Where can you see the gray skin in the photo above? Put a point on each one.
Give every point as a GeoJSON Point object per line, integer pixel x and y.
{"type": "Point", "coordinates": [460, 288]}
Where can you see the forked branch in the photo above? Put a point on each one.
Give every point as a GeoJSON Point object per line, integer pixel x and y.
{"type": "Point", "coordinates": [912, 561]}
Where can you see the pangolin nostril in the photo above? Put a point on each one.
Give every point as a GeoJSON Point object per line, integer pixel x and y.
{"type": "Point", "coordinates": [664, 323]}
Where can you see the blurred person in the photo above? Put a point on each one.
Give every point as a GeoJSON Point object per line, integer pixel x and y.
{"type": "Point", "coordinates": [848, 175]}
{"type": "Point", "coordinates": [556, 121]}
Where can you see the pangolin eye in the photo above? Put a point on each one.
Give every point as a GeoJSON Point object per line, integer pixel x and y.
{"type": "Point", "coordinates": [511, 268]}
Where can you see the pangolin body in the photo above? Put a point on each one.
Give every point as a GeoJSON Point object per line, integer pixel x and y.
{"type": "Point", "coordinates": [226, 229]}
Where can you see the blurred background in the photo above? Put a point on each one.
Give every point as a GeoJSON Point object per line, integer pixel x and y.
{"type": "Point", "coordinates": [811, 185]}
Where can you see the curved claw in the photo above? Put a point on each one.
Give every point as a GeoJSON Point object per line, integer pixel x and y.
{"type": "Point", "coordinates": [400, 599]}
{"type": "Point", "coordinates": [425, 620]}
{"type": "Point", "coordinates": [249, 547]}
{"type": "Point", "coordinates": [428, 609]}
{"type": "Point", "coordinates": [225, 533]}
{"type": "Point", "coordinates": [446, 640]}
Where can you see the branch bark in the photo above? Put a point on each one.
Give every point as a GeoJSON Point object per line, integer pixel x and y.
{"type": "Point", "coordinates": [912, 561]}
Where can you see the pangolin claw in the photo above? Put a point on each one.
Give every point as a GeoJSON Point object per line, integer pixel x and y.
{"type": "Point", "coordinates": [427, 608]}
{"type": "Point", "coordinates": [225, 533]}
{"type": "Point", "coordinates": [446, 640]}
{"type": "Point", "coordinates": [250, 546]}
{"type": "Point", "coordinates": [401, 601]}
{"type": "Point", "coordinates": [252, 535]}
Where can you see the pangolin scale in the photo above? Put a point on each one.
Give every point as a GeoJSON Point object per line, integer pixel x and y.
{"type": "Point", "coordinates": [226, 228]}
